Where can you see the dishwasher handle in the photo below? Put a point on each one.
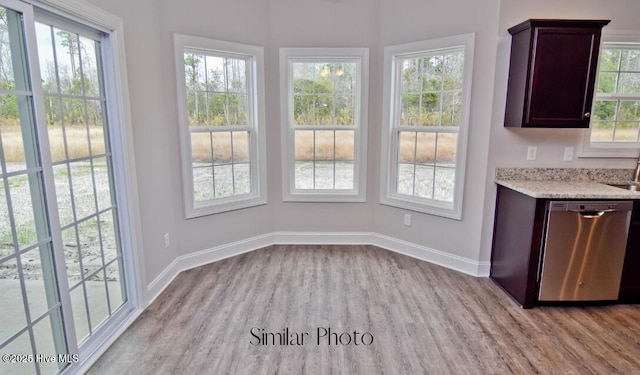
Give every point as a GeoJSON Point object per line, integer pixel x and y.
{"type": "Point", "coordinates": [592, 214]}
{"type": "Point", "coordinates": [591, 208]}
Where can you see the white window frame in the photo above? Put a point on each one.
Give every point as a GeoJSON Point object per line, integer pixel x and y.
{"type": "Point", "coordinates": [257, 146]}
{"type": "Point", "coordinates": [389, 155]}
{"type": "Point", "coordinates": [610, 149]}
{"type": "Point", "coordinates": [287, 57]}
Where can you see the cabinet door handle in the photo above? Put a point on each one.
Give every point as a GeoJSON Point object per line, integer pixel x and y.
{"type": "Point", "coordinates": [588, 114]}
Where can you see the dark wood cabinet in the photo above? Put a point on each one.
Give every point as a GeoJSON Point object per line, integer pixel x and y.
{"type": "Point", "coordinates": [630, 285]}
{"type": "Point", "coordinates": [552, 73]}
{"type": "Point", "coordinates": [518, 236]}
{"type": "Point", "coordinates": [517, 242]}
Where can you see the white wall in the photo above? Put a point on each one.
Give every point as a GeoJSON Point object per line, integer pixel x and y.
{"type": "Point", "coordinates": [413, 20]}
{"type": "Point", "coordinates": [321, 23]}
{"type": "Point", "coordinates": [508, 146]}
{"type": "Point", "coordinates": [154, 142]}
{"type": "Point", "coordinates": [241, 21]}
{"type": "Point", "coordinates": [149, 25]}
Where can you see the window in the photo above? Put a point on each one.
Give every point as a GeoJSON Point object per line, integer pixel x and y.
{"type": "Point", "coordinates": [324, 106]}
{"type": "Point", "coordinates": [220, 87]}
{"type": "Point", "coordinates": [426, 111]}
{"type": "Point", "coordinates": [615, 122]}
{"type": "Point", "coordinates": [616, 115]}
{"type": "Point", "coordinates": [62, 262]}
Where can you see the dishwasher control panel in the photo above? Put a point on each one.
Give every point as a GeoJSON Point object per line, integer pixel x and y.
{"type": "Point", "coordinates": [590, 206]}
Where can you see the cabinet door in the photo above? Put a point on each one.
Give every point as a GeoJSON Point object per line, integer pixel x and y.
{"type": "Point", "coordinates": [517, 240]}
{"type": "Point", "coordinates": [562, 77]}
{"type": "Point", "coordinates": [630, 285]}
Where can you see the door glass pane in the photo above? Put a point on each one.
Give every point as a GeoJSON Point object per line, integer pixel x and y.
{"type": "Point", "coordinates": [10, 128]}
{"type": "Point", "coordinates": [6, 235]}
{"type": "Point", "coordinates": [67, 48]}
{"type": "Point", "coordinates": [23, 213]}
{"type": "Point", "coordinates": [97, 296]}
{"type": "Point", "coordinates": [72, 255]}
{"type": "Point", "coordinates": [11, 294]}
{"type": "Point", "coordinates": [90, 247]}
{"type": "Point", "coordinates": [27, 273]}
{"type": "Point", "coordinates": [21, 344]}
{"type": "Point", "coordinates": [82, 185]}
{"type": "Point", "coordinates": [80, 314]}
{"type": "Point", "coordinates": [76, 136]}
{"type": "Point", "coordinates": [114, 285]}
{"type": "Point", "coordinates": [44, 332]}
{"type": "Point", "coordinates": [103, 187]}
{"type": "Point", "coordinates": [37, 270]}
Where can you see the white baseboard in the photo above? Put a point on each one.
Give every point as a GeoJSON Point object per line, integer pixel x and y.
{"type": "Point", "coordinates": [322, 238]}
{"type": "Point", "coordinates": [162, 281]}
{"type": "Point", "coordinates": [200, 258]}
{"type": "Point", "coordinates": [441, 258]}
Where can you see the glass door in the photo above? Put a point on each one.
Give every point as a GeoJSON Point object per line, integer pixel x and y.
{"type": "Point", "coordinates": [77, 128]}
{"type": "Point", "coordinates": [61, 264]}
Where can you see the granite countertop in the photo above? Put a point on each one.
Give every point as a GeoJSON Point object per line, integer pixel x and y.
{"type": "Point", "coordinates": [567, 183]}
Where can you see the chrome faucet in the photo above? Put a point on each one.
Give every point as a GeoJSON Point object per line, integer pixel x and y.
{"type": "Point", "coordinates": [636, 173]}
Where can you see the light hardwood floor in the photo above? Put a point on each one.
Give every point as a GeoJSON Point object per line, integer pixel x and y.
{"type": "Point", "coordinates": [424, 319]}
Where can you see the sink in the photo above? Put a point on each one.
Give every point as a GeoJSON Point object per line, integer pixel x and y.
{"type": "Point", "coordinates": [628, 186]}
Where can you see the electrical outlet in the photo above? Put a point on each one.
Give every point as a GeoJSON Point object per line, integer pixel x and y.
{"type": "Point", "coordinates": [531, 152]}
{"type": "Point", "coordinates": [407, 220]}
{"type": "Point", "coordinates": [568, 153]}
{"type": "Point", "coordinates": [167, 240]}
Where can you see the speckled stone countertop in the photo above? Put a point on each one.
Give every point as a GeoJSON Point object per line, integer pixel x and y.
{"type": "Point", "coordinates": [567, 183]}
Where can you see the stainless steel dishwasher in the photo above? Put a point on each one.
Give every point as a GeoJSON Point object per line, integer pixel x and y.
{"type": "Point", "coordinates": [584, 250]}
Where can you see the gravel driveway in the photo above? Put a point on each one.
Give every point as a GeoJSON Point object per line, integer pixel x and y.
{"type": "Point", "coordinates": [85, 238]}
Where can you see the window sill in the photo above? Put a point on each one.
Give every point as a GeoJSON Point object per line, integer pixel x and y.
{"type": "Point", "coordinates": [328, 197]}
{"type": "Point", "coordinates": [231, 204]}
{"type": "Point", "coordinates": [609, 150]}
{"type": "Point", "coordinates": [431, 207]}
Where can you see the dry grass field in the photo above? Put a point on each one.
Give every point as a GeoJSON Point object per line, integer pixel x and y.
{"type": "Point", "coordinates": [201, 143]}
{"type": "Point", "coordinates": [329, 145]}
{"type": "Point", "coordinates": [622, 135]}
{"type": "Point", "coordinates": [76, 137]}
{"type": "Point", "coordinates": [421, 147]}
{"type": "Point", "coordinates": [219, 147]}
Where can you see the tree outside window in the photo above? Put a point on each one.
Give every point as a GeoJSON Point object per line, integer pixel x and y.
{"type": "Point", "coordinates": [325, 112]}
{"type": "Point", "coordinates": [616, 113]}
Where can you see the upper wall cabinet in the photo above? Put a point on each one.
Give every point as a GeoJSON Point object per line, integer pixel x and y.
{"type": "Point", "coordinates": [552, 73]}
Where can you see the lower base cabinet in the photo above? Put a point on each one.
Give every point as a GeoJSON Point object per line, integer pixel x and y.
{"type": "Point", "coordinates": [518, 244]}
{"type": "Point", "coordinates": [630, 286]}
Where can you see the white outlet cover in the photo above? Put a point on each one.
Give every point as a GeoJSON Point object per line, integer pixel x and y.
{"type": "Point", "coordinates": [407, 220]}
{"type": "Point", "coordinates": [568, 153]}
{"type": "Point", "coordinates": [531, 152]}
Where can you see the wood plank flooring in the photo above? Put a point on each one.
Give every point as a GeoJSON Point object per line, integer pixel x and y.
{"type": "Point", "coordinates": [424, 319]}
